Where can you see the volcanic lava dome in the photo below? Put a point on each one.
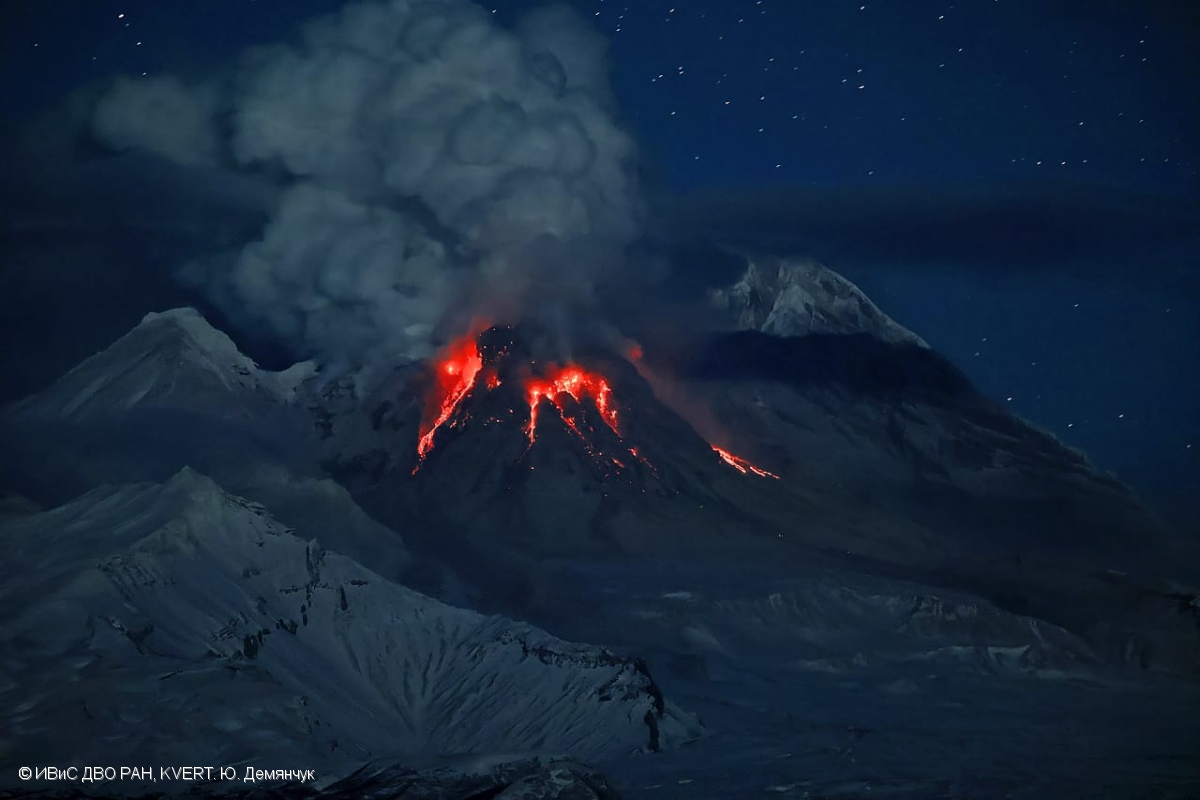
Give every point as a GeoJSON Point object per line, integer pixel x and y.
{"type": "Point", "coordinates": [473, 364]}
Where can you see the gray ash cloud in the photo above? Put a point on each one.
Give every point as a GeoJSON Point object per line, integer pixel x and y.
{"type": "Point", "coordinates": [432, 164]}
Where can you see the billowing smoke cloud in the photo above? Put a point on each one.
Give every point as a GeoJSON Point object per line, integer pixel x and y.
{"type": "Point", "coordinates": [435, 161]}
{"type": "Point", "coordinates": [331, 271]}
{"type": "Point", "coordinates": [162, 116]}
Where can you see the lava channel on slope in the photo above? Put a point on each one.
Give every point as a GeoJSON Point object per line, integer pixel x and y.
{"type": "Point", "coordinates": [742, 465]}
{"type": "Point", "coordinates": [458, 367]}
{"type": "Point", "coordinates": [577, 383]}
{"type": "Point", "coordinates": [463, 368]}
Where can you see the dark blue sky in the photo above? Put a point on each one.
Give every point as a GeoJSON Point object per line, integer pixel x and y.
{"type": "Point", "coordinates": [791, 92]}
{"type": "Point", "coordinates": [901, 100]}
{"type": "Point", "coordinates": [783, 92]}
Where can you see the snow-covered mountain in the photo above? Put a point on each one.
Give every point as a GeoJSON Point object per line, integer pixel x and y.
{"type": "Point", "coordinates": [799, 296]}
{"type": "Point", "coordinates": [883, 449]}
{"type": "Point", "coordinates": [904, 535]}
{"type": "Point", "coordinates": [176, 392]}
{"type": "Point", "coordinates": [174, 359]}
{"type": "Point", "coordinates": [176, 623]}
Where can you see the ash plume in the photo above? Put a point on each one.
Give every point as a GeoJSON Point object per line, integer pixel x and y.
{"type": "Point", "coordinates": [434, 166]}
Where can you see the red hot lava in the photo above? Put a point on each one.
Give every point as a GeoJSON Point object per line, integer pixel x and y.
{"type": "Point", "coordinates": [576, 382]}
{"type": "Point", "coordinates": [742, 465]}
{"type": "Point", "coordinates": [457, 369]}
{"type": "Point", "coordinates": [458, 373]}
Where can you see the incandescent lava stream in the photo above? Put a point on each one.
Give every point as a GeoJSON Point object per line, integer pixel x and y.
{"type": "Point", "coordinates": [466, 366]}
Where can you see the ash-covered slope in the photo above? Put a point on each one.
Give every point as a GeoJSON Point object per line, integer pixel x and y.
{"type": "Point", "coordinates": [175, 623]}
{"type": "Point", "coordinates": [855, 412]}
{"type": "Point", "coordinates": [939, 480]}
{"type": "Point", "coordinates": [857, 400]}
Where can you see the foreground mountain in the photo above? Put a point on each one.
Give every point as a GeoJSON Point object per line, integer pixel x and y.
{"type": "Point", "coordinates": [175, 623]}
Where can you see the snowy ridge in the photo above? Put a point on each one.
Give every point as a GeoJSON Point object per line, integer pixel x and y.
{"type": "Point", "coordinates": [207, 346]}
{"type": "Point", "coordinates": [170, 359]}
{"type": "Point", "coordinates": [162, 623]}
{"type": "Point", "coordinates": [797, 297]}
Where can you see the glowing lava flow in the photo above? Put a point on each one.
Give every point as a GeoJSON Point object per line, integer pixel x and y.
{"type": "Point", "coordinates": [576, 382]}
{"type": "Point", "coordinates": [455, 376]}
{"type": "Point", "coordinates": [458, 372]}
{"type": "Point", "coordinates": [742, 465]}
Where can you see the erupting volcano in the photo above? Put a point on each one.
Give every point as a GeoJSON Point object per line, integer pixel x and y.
{"type": "Point", "coordinates": [470, 365]}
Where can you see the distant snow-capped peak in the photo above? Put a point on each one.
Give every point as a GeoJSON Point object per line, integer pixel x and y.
{"type": "Point", "coordinates": [203, 340]}
{"type": "Point", "coordinates": [798, 297]}
{"type": "Point", "coordinates": [170, 358]}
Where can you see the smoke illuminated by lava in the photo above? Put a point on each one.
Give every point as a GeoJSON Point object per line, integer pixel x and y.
{"type": "Point", "coordinates": [742, 465]}
{"type": "Point", "coordinates": [460, 370]}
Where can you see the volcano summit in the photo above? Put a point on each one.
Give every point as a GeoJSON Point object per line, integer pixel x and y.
{"type": "Point", "coordinates": [498, 360]}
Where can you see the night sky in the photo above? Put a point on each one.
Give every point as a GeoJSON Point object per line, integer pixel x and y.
{"type": "Point", "coordinates": [1016, 181]}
